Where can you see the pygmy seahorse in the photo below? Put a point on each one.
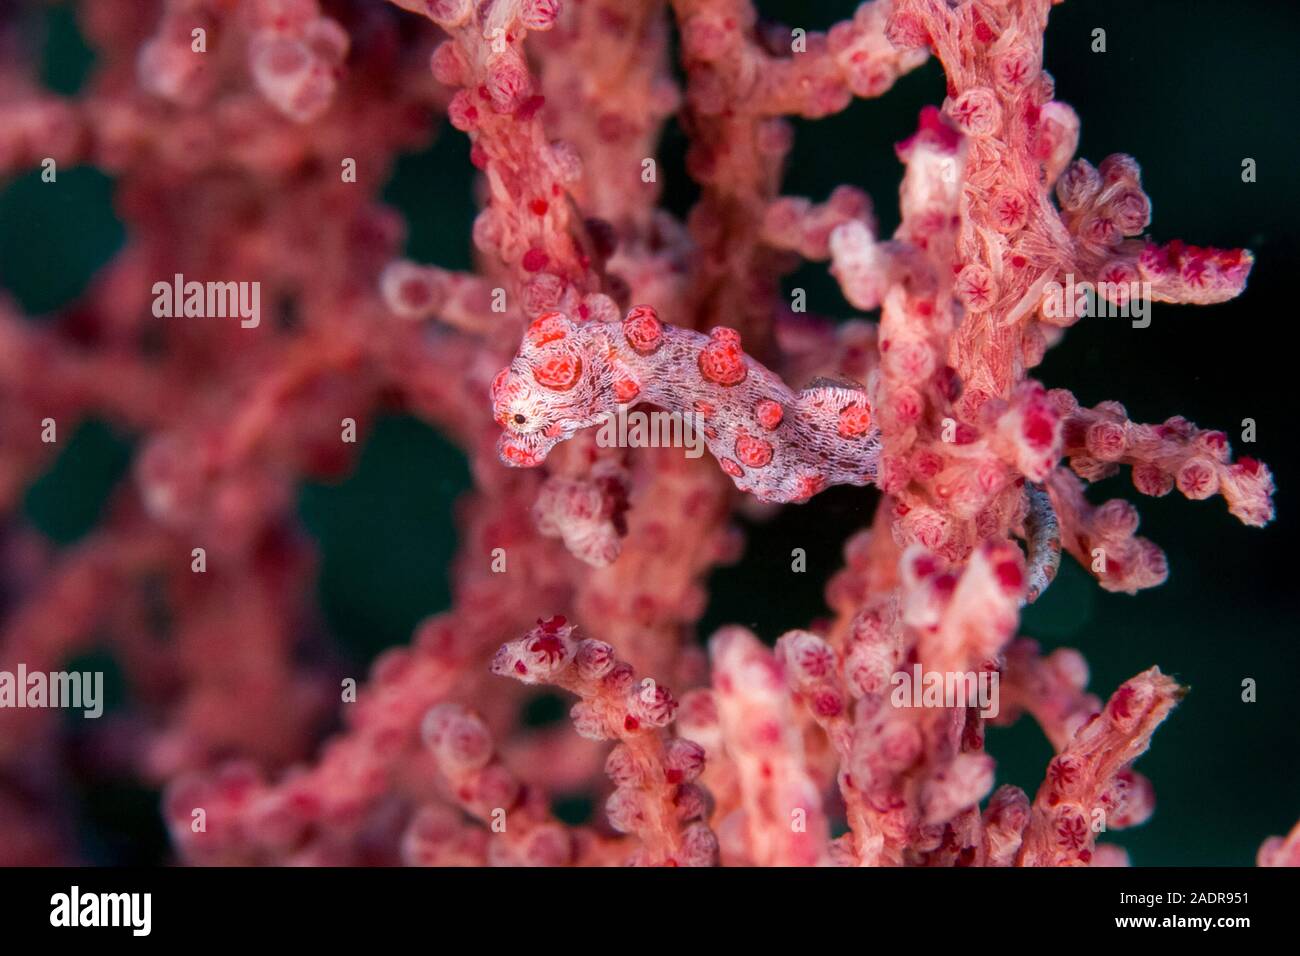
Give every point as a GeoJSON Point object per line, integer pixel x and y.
{"type": "Point", "coordinates": [776, 444]}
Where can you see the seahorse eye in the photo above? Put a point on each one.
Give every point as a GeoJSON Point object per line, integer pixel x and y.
{"type": "Point", "coordinates": [519, 419]}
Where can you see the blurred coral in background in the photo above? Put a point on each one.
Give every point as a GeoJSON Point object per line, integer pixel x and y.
{"type": "Point", "coordinates": [249, 141]}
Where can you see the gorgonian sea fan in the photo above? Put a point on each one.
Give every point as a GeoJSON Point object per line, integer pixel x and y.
{"type": "Point", "coordinates": [258, 153]}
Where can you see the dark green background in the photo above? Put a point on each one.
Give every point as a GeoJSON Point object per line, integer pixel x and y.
{"type": "Point", "coordinates": [1190, 89]}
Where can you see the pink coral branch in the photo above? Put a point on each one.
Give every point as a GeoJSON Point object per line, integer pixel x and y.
{"type": "Point", "coordinates": [1090, 782]}
{"type": "Point", "coordinates": [1281, 851]}
{"type": "Point", "coordinates": [654, 797]}
{"type": "Point", "coordinates": [780, 813]}
{"type": "Point", "coordinates": [1175, 454]}
{"type": "Point", "coordinates": [523, 832]}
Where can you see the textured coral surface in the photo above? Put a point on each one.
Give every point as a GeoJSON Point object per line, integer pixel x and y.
{"type": "Point", "coordinates": [249, 140]}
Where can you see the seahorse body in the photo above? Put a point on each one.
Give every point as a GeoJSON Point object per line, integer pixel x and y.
{"type": "Point", "coordinates": [775, 444]}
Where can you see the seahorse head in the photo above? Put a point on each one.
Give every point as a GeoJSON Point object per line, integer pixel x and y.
{"type": "Point", "coordinates": [558, 384]}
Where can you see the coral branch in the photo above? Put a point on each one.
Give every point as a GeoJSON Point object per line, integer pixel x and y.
{"type": "Point", "coordinates": [782, 816]}
{"type": "Point", "coordinates": [1089, 783]}
{"type": "Point", "coordinates": [654, 797]}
